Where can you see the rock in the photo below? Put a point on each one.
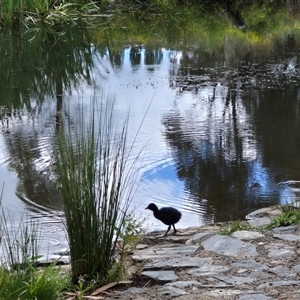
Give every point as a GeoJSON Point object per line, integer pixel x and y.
{"type": "Point", "coordinates": [178, 238]}
{"type": "Point", "coordinates": [234, 280]}
{"type": "Point", "coordinates": [279, 283]}
{"type": "Point", "coordinates": [226, 245]}
{"type": "Point", "coordinates": [287, 237]}
{"type": "Point", "coordinates": [291, 228]}
{"type": "Point", "coordinates": [255, 297]}
{"type": "Point", "coordinates": [297, 268]}
{"type": "Point", "coordinates": [208, 270]}
{"type": "Point", "coordinates": [249, 264]}
{"type": "Point", "coordinates": [162, 276]}
{"type": "Point", "coordinates": [163, 251]}
{"type": "Point", "coordinates": [286, 273]}
{"type": "Point", "coordinates": [257, 222]}
{"type": "Point", "coordinates": [172, 291]}
{"type": "Point", "coordinates": [272, 211]}
{"type": "Point", "coordinates": [223, 294]}
{"type": "Point", "coordinates": [247, 235]}
{"type": "Point", "coordinates": [183, 284]}
{"type": "Point", "coordinates": [199, 238]}
{"type": "Point", "coordinates": [181, 262]}
{"type": "Point", "coordinates": [141, 246]}
{"type": "Point", "coordinates": [279, 250]}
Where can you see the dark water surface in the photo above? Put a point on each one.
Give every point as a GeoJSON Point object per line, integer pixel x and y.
{"type": "Point", "coordinates": [222, 130]}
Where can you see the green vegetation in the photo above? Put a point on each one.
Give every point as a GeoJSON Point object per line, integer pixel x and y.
{"type": "Point", "coordinates": [31, 283]}
{"type": "Point", "coordinates": [64, 56]}
{"type": "Point", "coordinates": [20, 278]}
{"type": "Point", "coordinates": [236, 226]}
{"type": "Point", "coordinates": [97, 179]}
{"type": "Point", "coordinates": [16, 13]}
{"type": "Point", "coordinates": [289, 215]}
{"type": "Point", "coordinates": [97, 182]}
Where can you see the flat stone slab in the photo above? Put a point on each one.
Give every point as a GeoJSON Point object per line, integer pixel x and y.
{"type": "Point", "coordinates": [164, 251]}
{"type": "Point", "coordinates": [279, 283]}
{"type": "Point", "coordinates": [172, 291]}
{"type": "Point", "coordinates": [183, 284]}
{"type": "Point", "coordinates": [297, 268]}
{"type": "Point", "coordinates": [279, 250]}
{"type": "Point", "coordinates": [255, 297]}
{"type": "Point", "coordinates": [208, 270]}
{"type": "Point", "coordinates": [271, 211]}
{"type": "Point", "coordinates": [181, 262]}
{"type": "Point", "coordinates": [162, 276]}
{"type": "Point", "coordinates": [234, 280]}
{"type": "Point", "coordinates": [249, 264]}
{"type": "Point", "coordinates": [199, 238]}
{"type": "Point", "coordinates": [257, 222]}
{"type": "Point", "coordinates": [287, 237]}
{"type": "Point", "coordinates": [286, 273]}
{"type": "Point", "coordinates": [141, 246]}
{"type": "Point", "coordinates": [247, 235]}
{"type": "Point", "coordinates": [222, 293]}
{"type": "Point", "coordinates": [285, 229]}
{"type": "Point", "coordinates": [229, 246]}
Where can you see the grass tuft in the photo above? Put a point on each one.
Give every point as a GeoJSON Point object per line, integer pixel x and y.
{"type": "Point", "coordinates": [20, 278]}
{"type": "Point", "coordinates": [289, 215]}
{"type": "Point", "coordinates": [97, 183]}
{"type": "Point", "coordinates": [236, 226]}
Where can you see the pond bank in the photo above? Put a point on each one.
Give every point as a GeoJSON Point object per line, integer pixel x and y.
{"type": "Point", "coordinates": [199, 263]}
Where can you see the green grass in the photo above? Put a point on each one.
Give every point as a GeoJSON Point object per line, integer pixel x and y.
{"type": "Point", "coordinates": [14, 13]}
{"type": "Point", "coordinates": [236, 226]}
{"type": "Point", "coordinates": [289, 215]}
{"type": "Point", "coordinates": [97, 183]}
{"type": "Point", "coordinates": [31, 283]}
{"type": "Point", "coordinates": [20, 278]}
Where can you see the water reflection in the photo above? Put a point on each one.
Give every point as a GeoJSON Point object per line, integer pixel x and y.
{"type": "Point", "coordinates": [222, 131]}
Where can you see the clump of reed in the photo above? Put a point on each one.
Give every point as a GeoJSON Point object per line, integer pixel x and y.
{"type": "Point", "coordinates": [97, 182]}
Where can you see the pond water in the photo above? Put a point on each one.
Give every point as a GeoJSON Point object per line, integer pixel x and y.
{"type": "Point", "coordinates": [221, 126]}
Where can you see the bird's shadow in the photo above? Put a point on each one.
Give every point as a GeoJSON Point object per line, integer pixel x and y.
{"type": "Point", "coordinates": [168, 235]}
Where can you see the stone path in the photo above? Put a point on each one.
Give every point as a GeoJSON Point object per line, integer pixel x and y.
{"type": "Point", "coordinates": [199, 263]}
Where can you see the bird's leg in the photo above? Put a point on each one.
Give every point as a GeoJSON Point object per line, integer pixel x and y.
{"type": "Point", "coordinates": [174, 229]}
{"type": "Point", "coordinates": [167, 230]}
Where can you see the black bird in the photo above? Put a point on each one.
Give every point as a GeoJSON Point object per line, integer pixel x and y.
{"type": "Point", "coordinates": [168, 215]}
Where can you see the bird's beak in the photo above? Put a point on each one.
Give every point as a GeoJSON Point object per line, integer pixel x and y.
{"type": "Point", "coordinates": [146, 208]}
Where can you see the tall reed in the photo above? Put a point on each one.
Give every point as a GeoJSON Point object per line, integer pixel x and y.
{"type": "Point", "coordinates": [97, 183]}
